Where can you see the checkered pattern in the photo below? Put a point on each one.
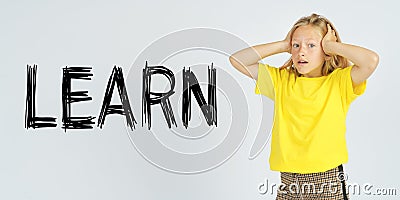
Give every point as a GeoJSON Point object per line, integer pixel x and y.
{"type": "Point", "coordinates": [321, 186]}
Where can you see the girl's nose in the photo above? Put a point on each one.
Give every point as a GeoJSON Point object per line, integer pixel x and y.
{"type": "Point", "coordinates": [301, 52]}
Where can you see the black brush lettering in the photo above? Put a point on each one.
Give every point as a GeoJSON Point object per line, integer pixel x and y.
{"type": "Point", "coordinates": [151, 98]}
{"type": "Point", "coordinates": [191, 85]}
{"type": "Point", "coordinates": [116, 77]}
{"type": "Point", "coordinates": [31, 120]}
{"type": "Point", "coordinates": [69, 97]}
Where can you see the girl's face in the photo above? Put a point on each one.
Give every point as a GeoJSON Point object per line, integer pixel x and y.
{"type": "Point", "coordinates": [307, 54]}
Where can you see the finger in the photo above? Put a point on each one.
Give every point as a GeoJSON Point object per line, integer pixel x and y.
{"type": "Point", "coordinates": [329, 27]}
{"type": "Point", "coordinates": [332, 31]}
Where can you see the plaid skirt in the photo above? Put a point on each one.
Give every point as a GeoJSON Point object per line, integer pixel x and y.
{"type": "Point", "coordinates": [323, 185]}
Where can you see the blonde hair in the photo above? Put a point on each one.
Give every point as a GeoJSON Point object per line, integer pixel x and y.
{"type": "Point", "coordinates": [319, 22]}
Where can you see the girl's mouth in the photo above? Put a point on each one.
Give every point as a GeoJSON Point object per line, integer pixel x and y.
{"type": "Point", "coordinates": [302, 62]}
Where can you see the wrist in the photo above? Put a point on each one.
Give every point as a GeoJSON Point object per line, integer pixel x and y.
{"type": "Point", "coordinates": [284, 46]}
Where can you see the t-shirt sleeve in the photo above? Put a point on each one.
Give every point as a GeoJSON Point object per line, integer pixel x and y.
{"type": "Point", "coordinates": [266, 80]}
{"type": "Point", "coordinates": [349, 92]}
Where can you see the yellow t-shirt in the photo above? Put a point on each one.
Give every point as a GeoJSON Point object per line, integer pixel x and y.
{"type": "Point", "coordinates": [308, 133]}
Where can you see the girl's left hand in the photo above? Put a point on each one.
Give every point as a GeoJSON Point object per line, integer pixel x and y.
{"type": "Point", "coordinates": [329, 37]}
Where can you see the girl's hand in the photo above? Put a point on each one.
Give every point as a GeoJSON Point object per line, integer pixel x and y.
{"type": "Point", "coordinates": [329, 37]}
{"type": "Point", "coordinates": [287, 42]}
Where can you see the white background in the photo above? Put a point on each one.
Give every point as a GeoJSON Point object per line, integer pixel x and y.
{"type": "Point", "coordinates": [102, 164]}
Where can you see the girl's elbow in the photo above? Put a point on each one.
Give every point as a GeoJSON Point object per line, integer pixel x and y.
{"type": "Point", "coordinates": [232, 60]}
{"type": "Point", "coordinates": [374, 61]}
{"type": "Point", "coordinates": [371, 62]}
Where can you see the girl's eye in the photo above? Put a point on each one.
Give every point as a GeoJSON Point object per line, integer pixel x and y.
{"type": "Point", "coordinates": [311, 45]}
{"type": "Point", "coordinates": [295, 45]}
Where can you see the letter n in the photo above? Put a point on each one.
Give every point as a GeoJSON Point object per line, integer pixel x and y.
{"type": "Point", "coordinates": [191, 85]}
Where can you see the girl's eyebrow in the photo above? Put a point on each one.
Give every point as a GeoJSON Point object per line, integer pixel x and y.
{"type": "Point", "coordinates": [307, 39]}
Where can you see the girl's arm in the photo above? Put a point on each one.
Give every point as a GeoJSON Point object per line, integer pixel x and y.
{"type": "Point", "coordinates": [365, 61]}
{"type": "Point", "coordinates": [246, 60]}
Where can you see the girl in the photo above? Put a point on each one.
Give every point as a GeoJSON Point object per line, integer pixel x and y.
{"type": "Point", "coordinates": [312, 92]}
